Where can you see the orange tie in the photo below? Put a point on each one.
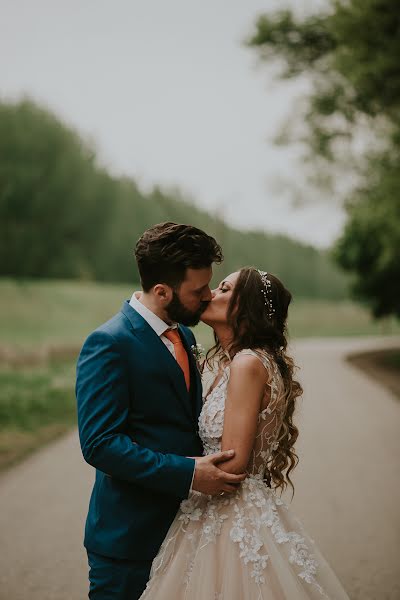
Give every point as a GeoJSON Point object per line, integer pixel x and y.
{"type": "Point", "coordinates": [180, 353]}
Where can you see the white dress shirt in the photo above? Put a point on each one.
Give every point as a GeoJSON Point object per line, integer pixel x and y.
{"type": "Point", "coordinates": [159, 326]}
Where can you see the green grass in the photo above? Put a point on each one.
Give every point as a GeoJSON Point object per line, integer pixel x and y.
{"type": "Point", "coordinates": [37, 313]}
{"type": "Point", "coordinates": [383, 365]}
{"type": "Point", "coordinates": [37, 400]}
{"type": "Point", "coordinates": [326, 318]}
{"type": "Point", "coordinates": [323, 318]}
{"type": "Point", "coordinates": [36, 405]}
{"type": "Point", "coordinates": [34, 314]}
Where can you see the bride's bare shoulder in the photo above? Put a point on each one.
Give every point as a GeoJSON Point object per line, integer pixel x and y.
{"type": "Point", "coordinates": [248, 363]}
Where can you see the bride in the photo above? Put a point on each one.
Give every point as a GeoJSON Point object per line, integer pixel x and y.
{"type": "Point", "coordinates": [245, 545]}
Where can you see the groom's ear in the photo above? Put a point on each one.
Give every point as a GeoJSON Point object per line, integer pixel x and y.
{"type": "Point", "coordinates": [162, 292]}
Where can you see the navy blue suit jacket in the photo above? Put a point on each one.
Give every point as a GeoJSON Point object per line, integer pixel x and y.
{"type": "Point", "coordinates": [137, 424]}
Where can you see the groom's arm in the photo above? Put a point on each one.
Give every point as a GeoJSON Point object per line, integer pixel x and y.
{"type": "Point", "coordinates": [102, 392]}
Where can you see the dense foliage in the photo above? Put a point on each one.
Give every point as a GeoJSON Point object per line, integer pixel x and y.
{"type": "Point", "coordinates": [350, 123]}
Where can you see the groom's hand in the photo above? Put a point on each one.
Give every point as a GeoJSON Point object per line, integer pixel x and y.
{"type": "Point", "coordinates": [209, 479]}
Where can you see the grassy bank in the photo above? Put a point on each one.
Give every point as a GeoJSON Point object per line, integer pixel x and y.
{"type": "Point", "coordinates": [37, 314]}
{"type": "Point", "coordinates": [37, 404]}
{"type": "Point", "coordinates": [43, 325]}
{"type": "Point", "coordinates": [34, 314]}
{"type": "Point", "coordinates": [382, 365]}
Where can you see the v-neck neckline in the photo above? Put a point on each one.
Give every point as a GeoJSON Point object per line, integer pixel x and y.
{"type": "Point", "coordinates": [221, 379]}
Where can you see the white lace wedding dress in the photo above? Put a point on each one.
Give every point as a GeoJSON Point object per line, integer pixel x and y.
{"type": "Point", "coordinates": [248, 545]}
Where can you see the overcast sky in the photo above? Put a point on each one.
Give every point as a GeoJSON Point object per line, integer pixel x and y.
{"type": "Point", "coordinates": [169, 94]}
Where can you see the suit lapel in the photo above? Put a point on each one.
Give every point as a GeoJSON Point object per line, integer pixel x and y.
{"type": "Point", "coordinates": [160, 352]}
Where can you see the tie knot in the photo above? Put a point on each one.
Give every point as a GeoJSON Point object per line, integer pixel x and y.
{"type": "Point", "coordinates": [173, 336]}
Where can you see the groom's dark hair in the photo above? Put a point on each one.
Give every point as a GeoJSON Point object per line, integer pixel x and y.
{"type": "Point", "coordinates": [165, 251]}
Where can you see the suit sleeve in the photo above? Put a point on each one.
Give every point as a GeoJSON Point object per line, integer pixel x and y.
{"type": "Point", "coordinates": [102, 393]}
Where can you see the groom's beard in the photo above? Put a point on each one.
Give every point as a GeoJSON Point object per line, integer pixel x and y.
{"type": "Point", "coordinates": [178, 313]}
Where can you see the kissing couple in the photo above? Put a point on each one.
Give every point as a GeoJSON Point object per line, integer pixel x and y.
{"type": "Point", "coordinates": [186, 501]}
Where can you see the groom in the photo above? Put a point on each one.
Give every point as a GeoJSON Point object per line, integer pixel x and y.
{"type": "Point", "coordinates": [139, 397]}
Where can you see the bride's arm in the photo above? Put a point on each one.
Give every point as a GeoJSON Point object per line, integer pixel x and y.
{"type": "Point", "coordinates": [246, 388]}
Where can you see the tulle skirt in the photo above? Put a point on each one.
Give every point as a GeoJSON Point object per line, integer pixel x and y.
{"type": "Point", "coordinates": [247, 546]}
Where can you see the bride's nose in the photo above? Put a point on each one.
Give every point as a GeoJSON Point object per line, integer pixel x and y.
{"type": "Point", "coordinates": [213, 292]}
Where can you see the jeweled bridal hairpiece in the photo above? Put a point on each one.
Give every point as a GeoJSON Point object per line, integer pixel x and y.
{"type": "Point", "coordinates": [267, 292]}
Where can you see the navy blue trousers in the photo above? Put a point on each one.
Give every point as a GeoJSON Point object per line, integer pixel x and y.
{"type": "Point", "coordinates": [117, 579]}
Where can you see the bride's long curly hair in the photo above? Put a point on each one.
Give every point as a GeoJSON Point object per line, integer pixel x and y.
{"type": "Point", "coordinates": [253, 328]}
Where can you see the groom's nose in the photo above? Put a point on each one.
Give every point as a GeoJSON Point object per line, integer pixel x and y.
{"type": "Point", "coordinates": [207, 296]}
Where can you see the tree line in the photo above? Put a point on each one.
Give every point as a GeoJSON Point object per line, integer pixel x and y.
{"type": "Point", "coordinates": [63, 215]}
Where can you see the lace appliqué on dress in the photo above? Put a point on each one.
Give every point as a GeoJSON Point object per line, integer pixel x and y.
{"type": "Point", "coordinates": [247, 522]}
{"type": "Point", "coordinates": [247, 527]}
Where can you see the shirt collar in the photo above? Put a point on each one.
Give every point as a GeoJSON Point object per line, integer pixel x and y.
{"type": "Point", "coordinates": [159, 326]}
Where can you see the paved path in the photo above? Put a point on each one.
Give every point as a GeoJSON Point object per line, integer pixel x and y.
{"type": "Point", "coordinates": [347, 488]}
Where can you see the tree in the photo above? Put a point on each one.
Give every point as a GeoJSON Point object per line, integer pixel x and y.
{"type": "Point", "coordinates": [370, 244]}
{"type": "Point", "coordinates": [350, 55]}
{"type": "Point", "coordinates": [52, 205]}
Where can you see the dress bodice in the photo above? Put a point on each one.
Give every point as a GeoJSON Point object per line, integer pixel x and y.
{"type": "Point", "coordinates": [270, 418]}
